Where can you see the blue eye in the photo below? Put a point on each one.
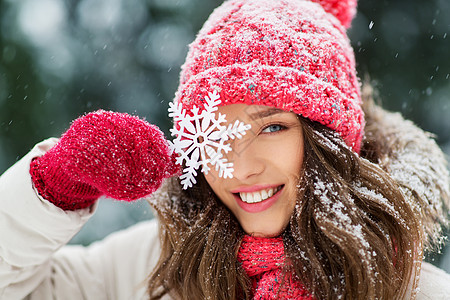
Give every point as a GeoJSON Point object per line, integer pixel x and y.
{"type": "Point", "coordinates": [273, 128]}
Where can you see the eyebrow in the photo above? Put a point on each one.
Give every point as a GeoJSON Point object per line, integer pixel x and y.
{"type": "Point", "coordinates": [265, 113]}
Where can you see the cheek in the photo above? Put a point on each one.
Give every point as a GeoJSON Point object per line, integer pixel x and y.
{"type": "Point", "coordinates": [211, 179]}
{"type": "Point", "coordinates": [289, 159]}
{"type": "Point", "coordinates": [215, 182]}
{"type": "Point", "coordinates": [297, 164]}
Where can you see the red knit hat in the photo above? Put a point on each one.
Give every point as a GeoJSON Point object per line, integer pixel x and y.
{"type": "Point", "coordinates": [289, 54]}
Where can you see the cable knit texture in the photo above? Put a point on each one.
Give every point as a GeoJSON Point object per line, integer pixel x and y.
{"type": "Point", "coordinates": [103, 153]}
{"type": "Point", "coordinates": [263, 260]}
{"type": "Point", "coordinates": [293, 55]}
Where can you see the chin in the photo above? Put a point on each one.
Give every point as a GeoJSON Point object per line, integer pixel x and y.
{"type": "Point", "coordinates": [264, 232]}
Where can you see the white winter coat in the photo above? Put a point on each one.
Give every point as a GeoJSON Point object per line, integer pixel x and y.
{"type": "Point", "coordinates": [36, 263]}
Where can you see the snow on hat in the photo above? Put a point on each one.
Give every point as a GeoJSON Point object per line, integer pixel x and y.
{"type": "Point", "coordinates": [289, 54]}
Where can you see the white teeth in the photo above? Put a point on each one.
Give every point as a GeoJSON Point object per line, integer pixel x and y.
{"type": "Point", "coordinates": [264, 194]}
{"type": "Point", "coordinates": [258, 196]}
{"type": "Point", "coordinates": [250, 198]}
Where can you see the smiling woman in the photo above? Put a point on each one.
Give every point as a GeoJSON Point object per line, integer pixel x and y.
{"type": "Point", "coordinates": [267, 167]}
{"type": "Point", "coordinates": [333, 209]}
{"type": "Point", "coordinates": [294, 185]}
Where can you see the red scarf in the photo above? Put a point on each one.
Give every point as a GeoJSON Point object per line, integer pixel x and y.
{"type": "Point", "coordinates": [263, 260]}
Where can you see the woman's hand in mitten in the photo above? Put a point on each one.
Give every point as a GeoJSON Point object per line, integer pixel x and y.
{"type": "Point", "coordinates": [103, 153]}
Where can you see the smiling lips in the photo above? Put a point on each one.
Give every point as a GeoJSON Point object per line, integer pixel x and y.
{"type": "Point", "coordinates": [258, 196]}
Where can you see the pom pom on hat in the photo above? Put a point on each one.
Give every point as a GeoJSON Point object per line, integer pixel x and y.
{"type": "Point", "coordinates": [293, 55]}
{"type": "Point", "coordinates": [343, 10]}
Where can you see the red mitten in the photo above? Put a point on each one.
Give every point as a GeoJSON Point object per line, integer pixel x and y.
{"type": "Point", "coordinates": [103, 153]}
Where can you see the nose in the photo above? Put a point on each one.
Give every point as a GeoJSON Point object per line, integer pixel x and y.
{"type": "Point", "coordinates": [247, 161]}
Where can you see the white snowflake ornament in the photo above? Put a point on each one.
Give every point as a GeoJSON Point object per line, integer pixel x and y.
{"type": "Point", "coordinates": [200, 139]}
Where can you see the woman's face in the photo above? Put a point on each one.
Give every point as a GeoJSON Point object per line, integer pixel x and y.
{"type": "Point", "coordinates": [267, 165]}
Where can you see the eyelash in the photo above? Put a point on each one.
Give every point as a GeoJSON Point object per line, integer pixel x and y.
{"type": "Point", "coordinates": [282, 127]}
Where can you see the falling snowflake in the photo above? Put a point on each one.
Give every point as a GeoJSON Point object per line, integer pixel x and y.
{"type": "Point", "coordinates": [201, 139]}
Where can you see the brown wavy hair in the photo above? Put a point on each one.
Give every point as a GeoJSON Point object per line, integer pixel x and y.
{"type": "Point", "coordinates": [352, 234]}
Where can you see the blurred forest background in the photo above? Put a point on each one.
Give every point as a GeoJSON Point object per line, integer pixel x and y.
{"type": "Point", "coordinates": [62, 58]}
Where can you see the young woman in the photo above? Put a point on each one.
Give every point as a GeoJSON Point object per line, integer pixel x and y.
{"type": "Point", "coordinates": [284, 180]}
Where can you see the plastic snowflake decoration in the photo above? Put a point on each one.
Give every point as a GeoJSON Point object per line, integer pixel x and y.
{"type": "Point", "coordinates": [201, 139]}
